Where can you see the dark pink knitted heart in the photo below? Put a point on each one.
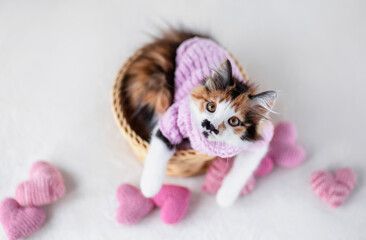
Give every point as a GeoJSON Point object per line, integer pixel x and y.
{"type": "Point", "coordinates": [133, 205]}
{"type": "Point", "coordinates": [174, 201]}
{"type": "Point", "coordinates": [45, 186]}
{"type": "Point", "coordinates": [20, 222]}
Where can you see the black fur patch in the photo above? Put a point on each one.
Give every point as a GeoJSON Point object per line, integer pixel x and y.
{"type": "Point", "coordinates": [251, 133]}
{"type": "Point", "coordinates": [160, 135]}
{"type": "Point", "coordinates": [205, 134]}
{"type": "Point", "coordinates": [238, 89]}
{"type": "Point", "coordinates": [208, 125]}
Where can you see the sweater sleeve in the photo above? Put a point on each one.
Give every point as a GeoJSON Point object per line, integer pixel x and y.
{"type": "Point", "coordinates": [168, 125]}
{"type": "Point", "coordinates": [267, 135]}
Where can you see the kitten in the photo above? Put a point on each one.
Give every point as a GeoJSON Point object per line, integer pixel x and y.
{"type": "Point", "coordinates": [214, 107]}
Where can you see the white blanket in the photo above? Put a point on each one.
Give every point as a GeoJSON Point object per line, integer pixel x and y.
{"type": "Point", "coordinates": [58, 60]}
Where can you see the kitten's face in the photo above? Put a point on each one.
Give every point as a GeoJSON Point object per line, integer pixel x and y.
{"type": "Point", "coordinates": [226, 110]}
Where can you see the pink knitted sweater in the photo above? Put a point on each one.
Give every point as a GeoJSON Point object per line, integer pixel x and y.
{"type": "Point", "coordinates": [196, 57]}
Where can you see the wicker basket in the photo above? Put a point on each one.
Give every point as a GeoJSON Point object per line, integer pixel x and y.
{"type": "Point", "coordinates": [184, 163]}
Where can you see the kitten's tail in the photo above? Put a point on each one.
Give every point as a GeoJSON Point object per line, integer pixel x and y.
{"type": "Point", "coordinates": [149, 83]}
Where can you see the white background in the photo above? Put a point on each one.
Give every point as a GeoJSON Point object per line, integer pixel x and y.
{"type": "Point", "coordinates": [58, 61]}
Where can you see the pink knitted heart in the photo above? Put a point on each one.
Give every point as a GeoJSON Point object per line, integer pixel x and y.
{"type": "Point", "coordinates": [173, 201]}
{"type": "Point", "coordinates": [133, 205]}
{"type": "Point", "coordinates": [283, 149]}
{"type": "Point", "coordinates": [19, 222]}
{"type": "Point", "coordinates": [265, 167]}
{"type": "Point", "coordinates": [45, 186]}
{"type": "Point", "coordinates": [216, 173]}
{"type": "Point", "coordinates": [333, 189]}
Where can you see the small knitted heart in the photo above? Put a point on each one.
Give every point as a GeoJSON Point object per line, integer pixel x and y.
{"type": "Point", "coordinates": [265, 167]}
{"type": "Point", "coordinates": [45, 186]}
{"type": "Point", "coordinates": [174, 201]}
{"type": "Point", "coordinates": [283, 149]}
{"type": "Point", "coordinates": [288, 156]}
{"type": "Point", "coordinates": [333, 189]}
{"type": "Point", "coordinates": [284, 132]}
{"type": "Point", "coordinates": [133, 205]}
{"type": "Point", "coordinates": [215, 174]}
{"type": "Point", "coordinates": [19, 222]}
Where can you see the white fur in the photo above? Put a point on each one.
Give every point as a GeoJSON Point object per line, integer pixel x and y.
{"type": "Point", "coordinates": [243, 168]}
{"type": "Point", "coordinates": [155, 166]}
{"type": "Point", "coordinates": [223, 112]}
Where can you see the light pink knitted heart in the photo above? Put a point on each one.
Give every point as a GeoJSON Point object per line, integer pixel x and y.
{"type": "Point", "coordinates": [283, 149]}
{"type": "Point", "coordinates": [216, 173]}
{"type": "Point", "coordinates": [19, 222]}
{"type": "Point", "coordinates": [46, 185]}
{"type": "Point", "coordinates": [133, 205]}
{"type": "Point", "coordinates": [174, 201]}
{"type": "Point", "coordinates": [333, 189]}
{"type": "Point", "coordinates": [265, 167]}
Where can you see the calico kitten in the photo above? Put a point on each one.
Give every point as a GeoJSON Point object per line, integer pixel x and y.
{"type": "Point", "coordinates": [214, 107]}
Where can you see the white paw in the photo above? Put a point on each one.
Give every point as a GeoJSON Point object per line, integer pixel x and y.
{"type": "Point", "coordinates": [150, 186]}
{"type": "Point", "coordinates": [225, 198]}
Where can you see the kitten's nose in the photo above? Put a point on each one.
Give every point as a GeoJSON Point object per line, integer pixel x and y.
{"type": "Point", "coordinates": [209, 126]}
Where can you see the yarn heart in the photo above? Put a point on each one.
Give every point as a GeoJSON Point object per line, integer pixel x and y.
{"type": "Point", "coordinates": [265, 167]}
{"type": "Point", "coordinates": [333, 189]}
{"type": "Point", "coordinates": [283, 149]}
{"type": "Point", "coordinates": [133, 205]}
{"type": "Point", "coordinates": [173, 201]}
{"type": "Point", "coordinates": [46, 185]}
{"type": "Point", "coordinates": [216, 173]}
{"type": "Point", "coordinates": [19, 222]}
{"type": "Point", "coordinates": [284, 132]}
{"type": "Point", "coordinates": [288, 156]}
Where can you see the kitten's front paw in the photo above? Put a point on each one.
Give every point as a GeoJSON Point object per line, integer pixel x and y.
{"type": "Point", "coordinates": [150, 187]}
{"type": "Point", "coordinates": [225, 198]}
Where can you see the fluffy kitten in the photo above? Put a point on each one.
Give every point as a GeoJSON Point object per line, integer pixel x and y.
{"type": "Point", "coordinates": [214, 107]}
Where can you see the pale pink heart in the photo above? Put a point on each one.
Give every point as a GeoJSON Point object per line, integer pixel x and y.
{"type": "Point", "coordinates": [174, 201]}
{"type": "Point", "coordinates": [284, 132]}
{"type": "Point", "coordinates": [133, 206]}
{"type": "Point", "coordinates": [265, 167]}
{"type": "Point", "coordinates": [45, 186]}
{"type": "Point", "coordinates": [216, 173]}
{"type": "Point", "coordinates": [333, 189]}
{"type": "Point", "coordinates": [20, 222]}
{"type": "Point", "coordinates": [288, 155]}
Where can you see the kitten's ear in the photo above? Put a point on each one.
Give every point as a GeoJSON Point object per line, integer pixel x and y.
{"type": "Point", "coordinates": [263, 102]}
{"type": "Point", "coordinates": [221, 77]}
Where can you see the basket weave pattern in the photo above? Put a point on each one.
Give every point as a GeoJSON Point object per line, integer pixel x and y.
{"type": "Point", "coordinates": [184, 162]}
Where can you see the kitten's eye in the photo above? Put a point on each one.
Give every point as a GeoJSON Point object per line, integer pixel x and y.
{"type": "Point", "coordinates": [234, 121]}
{"type": "Point", "coordinates": [211, 107]}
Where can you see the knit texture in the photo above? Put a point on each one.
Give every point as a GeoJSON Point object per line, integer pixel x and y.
{"type": "Point", "coordinates": [195, 60]}
{"type": "Point", "coordinates": [333, 189]}
{"type": "Point", "coordinates": [45, 186]}
{"type": "Point", "coordinates": [133, 206]}
{"type": "Point", "coordinates": [19, 222]}
{"type": "Point", "coordinates": [282, 151]}
{"type": "Point", "coordinates": [173, 201]}
{"type": "Point", "coordinates": [216, 173]}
